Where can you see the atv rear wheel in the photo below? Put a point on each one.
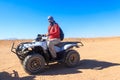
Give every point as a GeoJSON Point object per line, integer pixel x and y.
{"type": "Point", "coordinates": [34, 63]}
{"type": "Point", "coordinates": [72, 58]}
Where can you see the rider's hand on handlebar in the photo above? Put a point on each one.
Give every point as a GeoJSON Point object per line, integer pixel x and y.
{"type": "Point", "coordinates": [47, 34]}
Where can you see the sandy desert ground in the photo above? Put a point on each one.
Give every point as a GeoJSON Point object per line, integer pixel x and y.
{"type": "Point", "coordinates": [100, 60]}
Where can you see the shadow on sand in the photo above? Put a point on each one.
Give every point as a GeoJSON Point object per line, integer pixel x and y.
{"type": "Point", "coordinates": [14, 76]}
{"type": "Point", "coordinates": [56, 69]}
{"type": "Point", "coordinates": [60, 69]}
{"type": "Point", "coordinates": [95, 64]}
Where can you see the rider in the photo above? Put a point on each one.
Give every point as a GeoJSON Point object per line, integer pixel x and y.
{"type": "Point", "coordinates": [53, 36]}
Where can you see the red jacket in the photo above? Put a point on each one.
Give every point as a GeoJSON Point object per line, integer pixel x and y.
{"type": "Point", "coordinates": [54, 31]}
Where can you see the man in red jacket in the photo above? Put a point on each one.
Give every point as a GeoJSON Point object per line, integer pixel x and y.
{"type": "Point", "coordinates": [54, 36]}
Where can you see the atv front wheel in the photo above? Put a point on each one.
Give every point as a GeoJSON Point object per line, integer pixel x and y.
{"type": "Point", "coordinates": [72, 58]}
{"type": "Point", "coordinates": [34, 63]}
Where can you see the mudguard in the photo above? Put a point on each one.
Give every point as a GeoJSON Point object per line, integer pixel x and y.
{"type": "Point", "coordinates": [68, 46]}
{"type": "Point", "coordinates": [65, 47]}
{"type": "Point", "coordinates": [34, 44]}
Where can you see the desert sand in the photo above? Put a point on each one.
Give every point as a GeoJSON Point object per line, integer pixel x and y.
{"type": "Point", "coordinates": [100, 60]}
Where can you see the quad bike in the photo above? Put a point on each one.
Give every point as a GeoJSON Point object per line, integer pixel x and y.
{"type": "Point", "coordinates": [35, 55]}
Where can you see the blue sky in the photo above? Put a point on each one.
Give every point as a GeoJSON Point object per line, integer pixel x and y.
{"type": "Point", "coordinates": [24, 19]}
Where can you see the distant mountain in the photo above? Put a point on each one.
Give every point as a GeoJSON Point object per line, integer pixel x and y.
{"type": "Point", "coordinates": [10, 39]}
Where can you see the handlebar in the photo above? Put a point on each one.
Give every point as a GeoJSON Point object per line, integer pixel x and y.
{"type": "Point", "coordinates": [41, 35]}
